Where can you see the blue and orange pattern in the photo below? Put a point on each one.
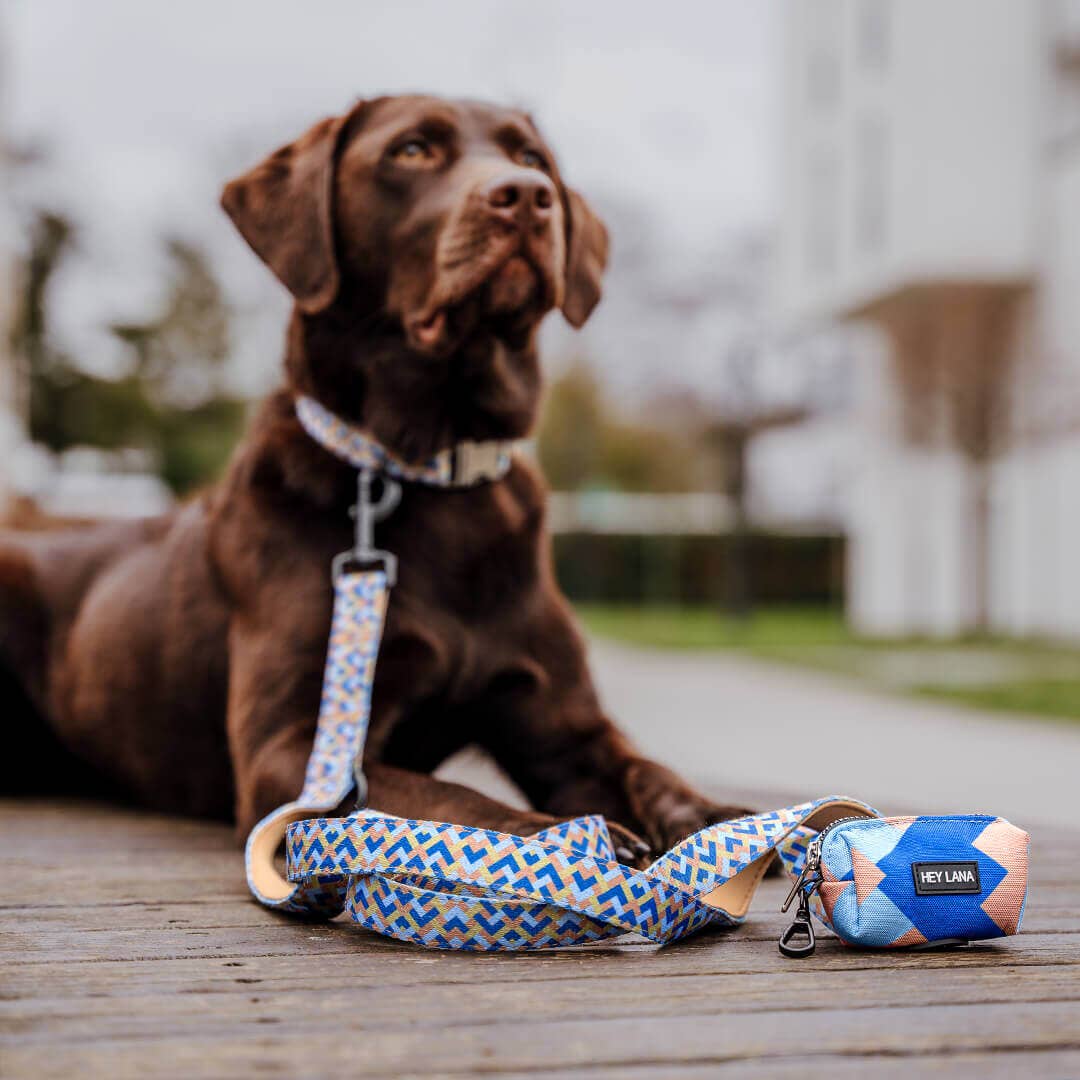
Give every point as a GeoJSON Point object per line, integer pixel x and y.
{"type": "Point", "coordinates": [344, 713]}
{"type": "Point", "coordinates": [345, 708]}
{"type": "Point", "coordinates": [867, 893]}
{"type": "Point", "coordinates": [454, 887]}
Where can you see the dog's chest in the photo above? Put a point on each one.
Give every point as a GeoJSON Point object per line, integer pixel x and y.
{"type": "Point", "coordinates": [469, 569]}
{"type": "Point", "coordinates": [468, 553]}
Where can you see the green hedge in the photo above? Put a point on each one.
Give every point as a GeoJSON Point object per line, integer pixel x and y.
{"type": "Point", "coordinates": [603, 568]}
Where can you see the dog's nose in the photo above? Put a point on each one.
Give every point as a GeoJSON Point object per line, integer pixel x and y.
{"type": "Point", "coordinates": [521, 198]}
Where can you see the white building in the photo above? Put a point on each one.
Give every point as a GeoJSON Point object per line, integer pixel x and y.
{"type": "Point", "coordinates": [932, 188]}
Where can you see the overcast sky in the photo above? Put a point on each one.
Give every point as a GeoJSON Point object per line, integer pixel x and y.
{"type": "Point", "coordinates": [145, 108]}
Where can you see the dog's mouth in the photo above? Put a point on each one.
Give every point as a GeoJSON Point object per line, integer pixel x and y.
{"type": "Point", "coordinates": [508, 299]}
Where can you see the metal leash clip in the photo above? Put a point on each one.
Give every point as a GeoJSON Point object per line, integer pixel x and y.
{"type": "Point", "coordinates": [366, 513]}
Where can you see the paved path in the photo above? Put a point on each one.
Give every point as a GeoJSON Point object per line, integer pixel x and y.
{"type": "Point", "coordinates": [737, 723]}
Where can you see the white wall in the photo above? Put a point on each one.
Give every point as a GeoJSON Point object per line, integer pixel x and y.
{"type": "Point", "coordinates": [980, 140]}
{"type": "Point", "coordinates": [909, 525]}
{"type": "Point", "coordinates": [1037, 490]}
{"type": "Point", "coordinates": [914, 160]}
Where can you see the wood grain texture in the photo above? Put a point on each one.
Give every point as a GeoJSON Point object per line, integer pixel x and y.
{"type": "Point", "coordinates": [129, 947]}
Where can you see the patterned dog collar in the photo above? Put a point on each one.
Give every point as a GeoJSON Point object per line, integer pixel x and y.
{"type": "Point", "coordinates": [464, 465]}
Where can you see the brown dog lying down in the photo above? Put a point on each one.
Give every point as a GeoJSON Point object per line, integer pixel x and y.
{"type": "Point", "coordinates": [178, 662]}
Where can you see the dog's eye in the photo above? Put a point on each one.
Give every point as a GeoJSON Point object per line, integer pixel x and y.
{"type": "Point", "coordinates": [415, 153]}
{"type": "Point", "coordinates": [532, 160]}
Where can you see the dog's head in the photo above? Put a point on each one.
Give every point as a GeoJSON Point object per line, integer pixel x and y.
{"type": "Point", "coordinates": [449, 218]}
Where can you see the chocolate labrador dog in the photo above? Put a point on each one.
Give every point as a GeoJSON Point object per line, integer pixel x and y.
{"type": "Point", "coordinates": [178, 662]}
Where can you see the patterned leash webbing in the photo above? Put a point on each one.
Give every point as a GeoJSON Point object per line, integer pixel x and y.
{"type": "Point", "coordinates": [355, 631]}
{"type": "Point", "coordinates": [454, 887]}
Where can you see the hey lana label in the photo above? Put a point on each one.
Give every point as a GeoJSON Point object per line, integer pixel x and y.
{"type": "Point", "coordinates": [936, 878]}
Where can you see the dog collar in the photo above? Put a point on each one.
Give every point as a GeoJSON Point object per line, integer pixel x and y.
{"type": "Point", "coordinates": [464, 465]}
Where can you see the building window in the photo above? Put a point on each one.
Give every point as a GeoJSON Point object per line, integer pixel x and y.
{"type": "Point", "coordinates": [872, 30]}
{"type": "Point", "coordinates": [822, 212]}
{"type": "Point", "coordinates": [1065, 42]}
{"type": "Point", "coordinates": [871, 185]}
{"type": "Point", "coordinates": [1065, 22]}
{"type": "Point", "coordinates": [824, 59]}
{"type": "Point", "coordinates": [823, 79]}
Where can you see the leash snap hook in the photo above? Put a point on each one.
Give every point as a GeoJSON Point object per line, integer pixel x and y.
{"type": "Point", "coordinates": [798, 940]}
{"type": "Point", "coordinates": [366, 513]}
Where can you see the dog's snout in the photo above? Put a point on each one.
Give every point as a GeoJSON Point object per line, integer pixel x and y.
{"type": "Point", "coordinates": [521, 198]}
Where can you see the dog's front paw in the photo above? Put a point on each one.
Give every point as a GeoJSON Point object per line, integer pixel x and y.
{"type": "Point", "coordinates": [629, 847]}
{"type": "Point", "coordinates": [668, 809]}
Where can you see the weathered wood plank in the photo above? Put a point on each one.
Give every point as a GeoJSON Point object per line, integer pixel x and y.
{"type": "Point", "coordinates": [329, 1043]}
{"type": "Point", "coordinates": [71, 1012]}
{"type": "Point", "coordinates": [354, 950]}
{"type": "Point", "coordinates": [1056, 1065]}
{"type": "Point", "coordinates": [129, 947]}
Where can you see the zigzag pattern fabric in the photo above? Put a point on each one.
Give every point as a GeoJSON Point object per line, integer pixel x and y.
{"type": "Point", "coordinates": [360, 601]}
{"type": "Point", "coordinates": [345, 708]}
{"type": "Point", "coordinates": [452, 887]}
{"type": "Point", "coordinates": [360, 450]}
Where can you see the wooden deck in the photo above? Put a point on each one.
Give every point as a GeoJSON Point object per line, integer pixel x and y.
{"type": "Point", "coordinates": [130, 948]}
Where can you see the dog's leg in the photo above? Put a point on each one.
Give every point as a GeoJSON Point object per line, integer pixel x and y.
{"type": "Point", "coordinates": [275, 776]}
{"type": "Point", "coordinates": [569, 763]}
{"type": "Point", "coordinates": [410, 794]}
{"type": "Point", "coordinates": [273, 704]}
{"type": "Point", "coordinates": [550, 734]}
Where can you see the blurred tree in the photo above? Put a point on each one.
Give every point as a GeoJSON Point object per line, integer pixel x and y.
{"type": "Point", "coordinates": [180, 359]}
{"type": "Point", "coordinates": [571, 430]}
{"type": "Point", "coordinates": [173, 403]}
{"type": "Point", "coordinates": [730, 435]}
{"type": "Point", "coordinates": [583, 443]}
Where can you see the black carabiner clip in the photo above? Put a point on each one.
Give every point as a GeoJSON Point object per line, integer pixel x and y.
{"type": "Point", "coordinates": [798, 940]}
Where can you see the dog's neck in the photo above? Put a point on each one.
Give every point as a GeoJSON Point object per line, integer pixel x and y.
{"type": "Point", "coordinates": [360, 368]}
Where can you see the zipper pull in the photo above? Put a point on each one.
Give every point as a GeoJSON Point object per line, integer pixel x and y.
{"type": "Point", "coordinates": [812, 866]}
{"type": "Point", "coordinates": [798, 939]}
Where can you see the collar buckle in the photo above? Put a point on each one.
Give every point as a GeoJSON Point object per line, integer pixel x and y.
{"type": "Point", "coordinates": [474, 462]}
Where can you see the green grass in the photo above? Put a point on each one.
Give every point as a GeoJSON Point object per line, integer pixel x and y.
{"type": "Point", "coordinates": [703, 628]}
{"type": "Point", "coordinates": [1015, 676]}
{"type": "Point", "coordinates": [1058, 699]}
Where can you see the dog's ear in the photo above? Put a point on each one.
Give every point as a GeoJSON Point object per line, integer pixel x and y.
{"type": "Point", "coordinates": [586, 258]}
{"type": "Point", "coordinates": [284, 208]}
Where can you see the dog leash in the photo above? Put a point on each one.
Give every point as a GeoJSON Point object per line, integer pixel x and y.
{"type": "Point", "coordinates": [452, 886]}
